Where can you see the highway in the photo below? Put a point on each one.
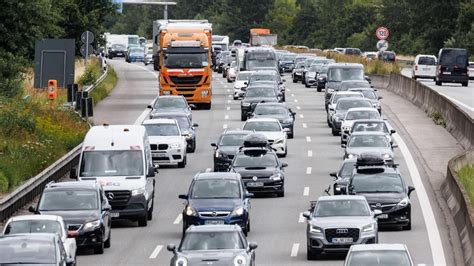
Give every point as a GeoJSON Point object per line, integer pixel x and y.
{"type": "Point", "coordinates": [461, 96]}
{"type": "Point", "coordinates": [277, 225]}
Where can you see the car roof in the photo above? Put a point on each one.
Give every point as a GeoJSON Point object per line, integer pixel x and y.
{"type": "Point", "coordinates": [28, 238]}
{"type": "Point", "coordinates": [361, 89]}
{"type": "Point", "coordinates": [359, 133]}
{"type": "Point", "coordinates": [217, 175]}
{"type": "Point", "coordinates": [35, 217]}
{"type": "Point", "coordinates": [346, 92]}
{"type": "Point", "coordinates": [261, 85]}
{"type": "Point", "coordinates": [399, 247]}
{"type": "Point", "coordinates": [159, 121]}
{"type": "Point", "coordinates": [362, 109]}
{"type": "Point", "coordinates": [246, 72]}
{"type": "Point", "coordinates": [272, 104]}
{"type": "Point", "coordinates": [369, 120]}
{"type": "Point", "coordinates": [354, 81]}
{"type": "Point", "coordinates": [262, 119]}
{"type": "Point", "coordinates": [170, 114]}
{"type": "Point", "coordinates": [214, 228]}
{"type": "Point", "coordinates": [352, 99]}
{"type": "Point", "coordinates": [265, 71]}
{"type": "Point", "coordinates": [83, 185]}
{"type": "Point", "coordinates": [169, 96]}
{"type": "Point", "coordinates": [114, 137]}
{"type": "Point", "coordinates": [346, 65]}
{"type": "Point", "coordinates": [341, 197]}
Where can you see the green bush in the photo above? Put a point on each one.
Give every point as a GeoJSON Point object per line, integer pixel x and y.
{"type": "Point", "coordinates": [3, 182]}
{"type": "Point", "coordinates": [466, 174]}
{"type": "Point", "coordinates": [11, 84]}
{"type": "Point", "coordinates": [105, 87]}
{"type": "Point", "coordinates": [91, 74]}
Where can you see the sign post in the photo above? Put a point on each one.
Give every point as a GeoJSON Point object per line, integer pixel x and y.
{"type": "Point", "coordinates": [87, 38]}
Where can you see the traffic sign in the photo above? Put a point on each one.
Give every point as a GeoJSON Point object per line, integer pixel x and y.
{"type": "Point", "coordinates": [382, 33]}
{"type": "Point", "coordinates": [87, 37]}
{"type": "Point", "coordinates": [382, 45]}
{"type": "Point", "coordinates": [86, 50]}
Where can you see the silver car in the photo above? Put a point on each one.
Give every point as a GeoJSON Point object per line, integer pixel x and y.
{"type": "Point", "coordinates": [337, 222]}
{"type": "Point", "coordinates": [369, 142]}
{"type": "Point", "coordinates": [219, 244]}
{"type": "Point", "coordinates": [378, 254]}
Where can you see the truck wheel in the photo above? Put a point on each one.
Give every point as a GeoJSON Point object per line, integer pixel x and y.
{"type": "Point", "coordinates": [319, 89]}
{"type": "Point", "coordinates": [150, 211]}
{"type": "Point", "coordinates": [464, 84]}
{"type": "Point", "coordinates": [438, 83]}
{"type": "Point", "coordinates": [99, 249]}
{"type": "Point", "coordinates": [243, 117]}
{"type": "Point", "coordinates": [333, 131]}
{"type": "Point", "coordinates": [143, 221]}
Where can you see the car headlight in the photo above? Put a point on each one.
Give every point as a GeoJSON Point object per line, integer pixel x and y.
{"type": "Point", "coordinates": [350, 156]}
{"type": "Point", "coordinates": [330, 90]}
{"type": "Point", "coordinates": [204, 93]}
{"type": "Point", "coordinates": [315, 229]}
{"type": "Point", "coordinates": [387, 156]}
{"type": "Point", "coordinates": [181, 261]}
{"type": "Point", "coordinates": [346, 128]}
{"type": "Point", "coordinates": [368, 228]}
{"type": "Point", "coordinates": [175, 145]}
{"type": "Point", "coordinates": [287, 121]}
{"type": "Point", "coordinates": [138, 191]}
{"type": "Point", "coordinates": [377, 104]}
{"type": "Point", "coordinates": [90, 226]}
{"type": "Point", "coordinates": [190, 211]}
{"type": "Point", "coordinates": [321, 79]}
{"type": "Point", "coordinates": [238, 211]}
{"type": "Point", "coordinates": [245, 104]}
{"type": "Point", "coordinates": [188, 136]}
{"type": "Point", "coordinates": [403, 203]}
{"type": "Point", "coordinates": [220, 154]}
{"type": "Point", "coordinates": [278, 141]}
{"type": "Point", "coordinates": [240, 261]}
{"type": "Point", "coordinates": [276, 177]}
{"type": "Point", "coordinates": [337, 118]}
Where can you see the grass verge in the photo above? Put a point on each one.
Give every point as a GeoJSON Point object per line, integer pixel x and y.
{"type": "Point", "coordinates": [105, 87]}
{"type": "Point", "coordinates": [466, 174]}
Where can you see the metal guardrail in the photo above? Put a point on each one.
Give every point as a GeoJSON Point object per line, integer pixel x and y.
{"type": "Point", "coordinates": [105, 71]}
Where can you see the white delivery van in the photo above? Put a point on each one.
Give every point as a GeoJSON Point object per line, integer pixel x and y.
{"type": "Point", "coordinates": [424, 67]}
{"type": "Point", "coordinates": [119, 158]}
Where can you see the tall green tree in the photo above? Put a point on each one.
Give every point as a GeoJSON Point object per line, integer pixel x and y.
{"type": "Point", "coordinates": [280, 19]}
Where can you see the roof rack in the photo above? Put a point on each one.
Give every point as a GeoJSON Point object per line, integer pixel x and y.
{"type": "Point", "coordinates": [369, 159]}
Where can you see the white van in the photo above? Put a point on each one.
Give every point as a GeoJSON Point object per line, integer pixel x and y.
{"type": "Point", "coordinates": [424, 67]}
{"type": "Point", "coordinates": [119, 158]}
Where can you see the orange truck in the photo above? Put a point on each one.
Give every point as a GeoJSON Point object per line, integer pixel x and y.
{"type": "Point", "coordinates": [262, 37]}
{"type": "Point", "coordinates": [183, 53]}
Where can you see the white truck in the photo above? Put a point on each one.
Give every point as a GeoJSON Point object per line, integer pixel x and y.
{"type": "Point", "coordinates": [222, 41]}
{"type": "Point", "coordinates": [119, 158]}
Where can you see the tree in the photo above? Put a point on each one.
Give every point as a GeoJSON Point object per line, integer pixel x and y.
{"type": "Point", "coordinates": [280, 19]}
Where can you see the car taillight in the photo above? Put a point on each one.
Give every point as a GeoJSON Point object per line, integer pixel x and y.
{"type": "Point", "coordinates": [416, 67]}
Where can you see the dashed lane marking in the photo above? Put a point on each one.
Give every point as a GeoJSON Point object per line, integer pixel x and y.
{"type": "Point", "coordinates": [208, 170]}
{"type": "Point", "coordinates": [229, 101]}
{"type": "Point", "coordinates": [301, 218]}
{"type": "Point", "coordinates": [310, 153]}
{"type": "Point", "coordinates": [304, 125]}
{"type": "Point", "coordinates": [224, 126]}
{"type": "Point", "coordinates": [228, 108]}
{"type": "Point", "coordinates": [226, 117]}
{"type": "Point", "coordinates": [156, 251]}
{"type": "Point", "coordinates": [308, 139]}
{"type": "Point", "coordinates": [178, 219]}
{"type": "Point", "coordinates": [294, 249]}
{"type": "Point", "coordinates": [308, 170]}
{"type": "Point", "coordinates": [301, 116]}
{"type": "Point", "coordinates": [297, 107]}
{"type": "Point", "coordinates": [306, 191]}
{"type": "Point", "coordinates": [295, 100]}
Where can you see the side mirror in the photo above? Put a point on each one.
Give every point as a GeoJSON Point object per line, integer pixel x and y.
{"type": "Point", "coordinates": [331, 109]}
{"type": "Point", "coordinates": [377, 212]}
{"type": "Point", "coordinates": [73, 173]}
{"type": "Point", "coordinates": [333, 174]}
{"type": "Point", "coordinates": [192, 106]}
{"type": "Point", "coordinates": [307, 214]}
{"type": "Point", "coordinates": [195, 125]}
{"type": "Point", "coordinates": [253, 246]}
{"type": "Point", "coordinates": [284, 80]}
{"type": "Point", "coordinates": [183, 196]}
{"type": "Point", "coordinates": [287, 130]}
{"type": "Point", "coordinates": [380, 97]}
{"type": "Point", "coordinates": [346, 131]}
{"type": "Point", "coordinates": [107, 208]}
{"type": "Point", "coordinates": [32, 209]}
{"type": "Point", "coordinates": [71, 234]}
{"type": "Point", "coordinates": [343, 146]}
{"type": "Point", "coordinates": [392, 131]}
{"type": "Point", "coordinates": [171, 248]}
{"type": "Point", "coordinates": [284, 165]}
{"type": "Point", "coordinates": [246, 83]}
{"type": "Point", "coordinates": [149, 107]}
{"type": "Point", "coordinates": [214, 145]}
{"type": "Point", "coordinates": [249, 195]}
{"type": "Point", "coordinates": [394, 145]}
{"type": "Point", "coordinates": [410, 190]}
{"type": "Point", "coordinates": [151, 171]}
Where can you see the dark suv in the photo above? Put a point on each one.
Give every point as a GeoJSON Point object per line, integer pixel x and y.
{"type": "Point", "coordinates": [453, 66]}
{"type": "Point", "coordinates": [225, 149]}
{"type": "Point", "coordinates": [84, 208]}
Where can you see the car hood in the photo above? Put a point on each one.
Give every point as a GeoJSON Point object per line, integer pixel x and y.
{"type": "Point", "coordinates": [256, 171]}
{"type": "Point", "coordinates": [348, 123]}
{"type": "Point", "coordinates": [376, 150]}
{"type": "Point", "coordinates": [259, 99]}
{"type": "Point", "coordinates": [341, 221]}
{"type": "Point", "coordinates": [280, 117]}
{"type": "Point", "coordinates": [332, 84]}
{"type": "Point", "coordinates": [239, 84]}
{"type": "Point", "coordinates": [229, 149]}
{"type": "Point", "coordinates": [171, 110]}
{"type": "Point", "coordinates": [272, 135]}
{"type": "Point", "coordinates": [211, 257]}
{"type": "Point", "coordinates": [215, 204]}
{"type": "Point", "coordinates": [75, 216]}
{"type": "Point", "coordinates": [118, 182]}
{"type": "Point", "coordinates": [165, 139]}
{"type": "Point", "coordinates": [383, 198]}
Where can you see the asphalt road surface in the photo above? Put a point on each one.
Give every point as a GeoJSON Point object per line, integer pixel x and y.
{"type": "Point", "coordinates": [277, 225]}
{"type": "Point", "coordinates": [461, 96]}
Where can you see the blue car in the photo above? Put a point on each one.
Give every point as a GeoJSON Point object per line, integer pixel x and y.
{"type": "Point", "coordinates": [135, 54]}
{"type": "Point", "coordinates": [217, 198]}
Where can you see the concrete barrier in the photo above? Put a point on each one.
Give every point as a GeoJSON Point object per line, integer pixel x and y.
{"type": "Point", "coordinates": [458, 123]}
{"type": "Point", "coordinates": [460, 205]}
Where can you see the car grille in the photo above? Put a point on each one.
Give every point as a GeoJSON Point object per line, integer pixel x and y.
{"type": "Point", "coordinates": [162, 147]}
{"type": "Point", "coordinates": [351, 232]}
{"type": "Point", "coordinates": [214, 214]}
{"type": "Point", "coordinates": [186, 80]}
{"type": "Point", "coordinates": [74, 227]}
{"type": "Point", "coordinates": [383, 208]}
{"type": "Point", "coordinates": [230, 156]}
{"type": "Point", "coordinates": [153, 147]}
{"type": "Point", "coordinates": [120, 197]}
{"type": "Point", "coordinates": [185, 89]}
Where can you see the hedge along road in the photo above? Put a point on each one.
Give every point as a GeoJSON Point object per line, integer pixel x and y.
{"type": "Point", "coordinates": [277, 225]}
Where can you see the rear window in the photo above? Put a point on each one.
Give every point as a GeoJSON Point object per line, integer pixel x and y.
{"type": "Point", "coordinates": [428, 61]}
{"type": "Point", "coordinates": [453, 57]}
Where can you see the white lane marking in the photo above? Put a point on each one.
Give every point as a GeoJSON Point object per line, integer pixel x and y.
{"type": "Point", "coordinates": [224, 126]}
{"type": "Point", "coordinates": [301, 219]}
{"type": "Point", "coordinates": [308, 170]}
{"type": "Point", "coordinates": [292, 95]}
{"type": "Point", "coordinates": [434, 237]}
{"type": "Point", "coordinates": [310, 153]}
{"type": "Point", "coordinates": [296, 100]}
{"type": "Point", "coordinates": [297, 107]}
{"type": "Point", "coordinates": [225, 86]}
{"type": "Point", "coordinates": [228, 90]}
{"type": "Point", "coordinates": [208, 170]}
{"type": "Point", "coordinates": [178, 219]}
{"type": "Point", "coordinates": [306, 191]}
{"type": "Point", "coordinates": [294, 249]}
{"type": "Point", "coordinates": [229, 101]}
{"type": "Point", "coordinates": [228, 108]}
{"type": "Point", "coordinates": [304, 125]}
{"type": "Point", "coordinates": [230, 96]}
{"type": "Point", "coordinates": [155, 252]}
{"type": "Point", "coordinates": [288, 90]}
{"type": "Point", "coordinates": [308, 139]}
{"type": "Point", "coordinates": [226, 117]}
{"type": "Point", "coordinates": [301, 116]}
{"type": "Point", "coordinates": [142, 117]}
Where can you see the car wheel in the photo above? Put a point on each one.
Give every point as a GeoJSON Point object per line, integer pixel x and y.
{"type": "Point", "coordinates": [311, 255]}
{"type": "Point", "coordinates": [281, 193]}
{"type": "Point", "coordinates": [243, 117]}
{"type": "Point", "coordinates": [248, 225]}
{"type": "Point", "coordinates": [306, 85]}
{"type": "Point", "coordinates": [414, 77]}
{"type": "Point", "coordinates": [193, 147]}
{"type": "Point", "coordinates": [318, 89]}
{"type": "Point", "coordinates": [291, 135]}
{"type": "Point", "coordinates": [99, 249]}
{"type": "Point", "coordinates": [150, 211]}
{"type": "Point", "coordinates": [334, 131]}
{"type": "Point", "coordinates": [438, 83]}
{"type": "Point", "coordinates": [143, 221]}
{"type": "Point", "coordinates": [464, 84]}
{"type": "Point", "coordinates": [408, 226]}
{"type": "Point", "coordinates": [182, 164]}
{"type": "Point", "coordinates": [434, 79]}
{"type": "Point", "coordinates": [294, 80]}
{"type": "Point", "coordinates": [107, 243]}
{"type": "Point", "coordinates": [329, 122]}
{"type": "Point", "coordinates": [185, 226]}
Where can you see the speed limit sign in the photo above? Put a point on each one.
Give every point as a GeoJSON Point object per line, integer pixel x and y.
{"type": "Point", "coordinates": [382, 33]}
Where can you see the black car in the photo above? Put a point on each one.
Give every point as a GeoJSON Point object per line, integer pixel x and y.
{"type": "Point", "coordinates": [259, 167]}
{"type": "Point", "coordinates": [278, 111]}
{"type": "Point", "coordinates": [33, 249]}
{"type": "Point", "coordinates": [384, 188]}
{"type": "Point", "coordinates": [340, 111]}
{"type": "Point", "coordinates": [287, 62]}
{"type": "Point", "coordinates": [343, 176]}
{"type": "Point", "coordinates": [188, 129]}
{"type": "Point", "coordinates": [84, 208]}
{"type": "Point", "coordinates": [227, 146]}
{"type": "Point", "coordinates": [117, 50]}
{"type": "Point", "coordinates": [297, 73]}
{"type": "Point", "coordinates": [278, 86]}
{"type": "Point", "coordinates": [453, 66]}
{"type": "Point", "coordinates": [322, 78]}
{"type": "Point", "coordinates": [339, 72]}
{"type": "Point", "coordinates": [254, 95]}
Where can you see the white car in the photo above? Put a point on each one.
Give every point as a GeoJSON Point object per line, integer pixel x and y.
{"type": "Point", "coordinates": [378, 254]}
{"type": "Point", "coordinates": [241, 82]}
{"type": "Point", "coordinates": [424, 67]}
{"type": "Point", "coordinates": [168, 145]}
{"type": "Point", "coordinates": [354, 114]}
{"type": "Point", "coordinates": [333, 101]}
{"type": "Point", "coordinates": [370, 55]}
{"type": "Point", "coordinates": [232, 72]}
{"type": "Point", "coordinates": [272, 130]}
{"type": "Point", "coordinates": [26, 224]}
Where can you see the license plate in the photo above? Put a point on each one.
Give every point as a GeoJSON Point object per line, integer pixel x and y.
{"type": "Point", "coordinates": [119, 53]}
{"type": "Point", "coordinates": [426, 69]}
{"type": "Point", "coordinates": [255, 184]}
{"type": "Point", "coordinates": [115, 214]}
{"type": "Point", "coordinates": [383, 216]}
{"type": "Point", "coordinates": [214, 222]}
{"type": "Point", "coordinates": [447, 73]}
{"type": "Point", "coordinates": [159, 154]}
{"type": "Point", "coordinates": [342, 240]}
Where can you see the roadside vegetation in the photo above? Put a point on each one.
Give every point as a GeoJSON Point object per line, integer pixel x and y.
{"type": "Point", "coordinates": [466, 174]}
{"type": "Point", "coordinates": [92, 73]}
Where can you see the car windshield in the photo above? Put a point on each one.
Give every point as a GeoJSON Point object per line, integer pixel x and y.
{"type": "Point", "coordinates": [347, 169]}
{"type": "Point", "coordinates": [255, 160]}
{"type": "Point", "coordinates": [327, 208]}
{"type": "Point", "coordinates": [137, 50]}
{"type": "Point", "coordinates": [170, 103]}
{"type": "Point", "coordinates": [111, 163]}
{"type": "Point", "coordinates": [243, 76]}
{"type": "Point", "coordinates": [340, 74]}
{"type": "Point", "coordinates": [260, 92]}
{"type": "Point", "coordinates": [215, 189]}
{"type": "Point", "coordinates": [261, 77]}
{"type": "Point", "coordinates": [195, 60]}
{"type": "Point", "coordinates": [68, 200]}
{"type": "Point", "coordinates": [427, 61]}
{"type": "Point", "coordinates": [369, 141]}
{"type": "Point", "coordinates": [369, 94]}
{"type": "Point", "coordinates": [211, 241]}
{"type": "Point", "coordinates": [162, 130]}
{"type": "Point", "coordinates": [370, 126]}
{"type": "Point", "coordinates": [354, 115]}
{"type": "Point", "coordinates": [33, 226]}
{"type": "Point", "coordinates": [348, 104]}
{"type": "Point", "coordinates": [118, 47]}
{"type": "Point", "coordinates": [232, 140]}
{"type": "Point", "coordinates": [347, 85]}
{"type": "Point", "coordinates": [23, 250]}
{"type": "Point", "coordinates": [253, 64]}
{"type": "Point", "coordinates": [378, 258]}
{"type": "Point", "coordinates": [315, 68]}
{"type": "Point", "coordinates": [324, 69]}
{"type": "Point", "coordinates": [377, 183]}
{"type": "Point", "coordinates": [270, 110]}
{"type": "Point", "coordinates": [300, 65]}
{"type": "Point", "coordinates": [262, 126]}
{"type": "Point", "coordinates": [453, 57]}
{"type": "Point", "coordinates": [340, 96]}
